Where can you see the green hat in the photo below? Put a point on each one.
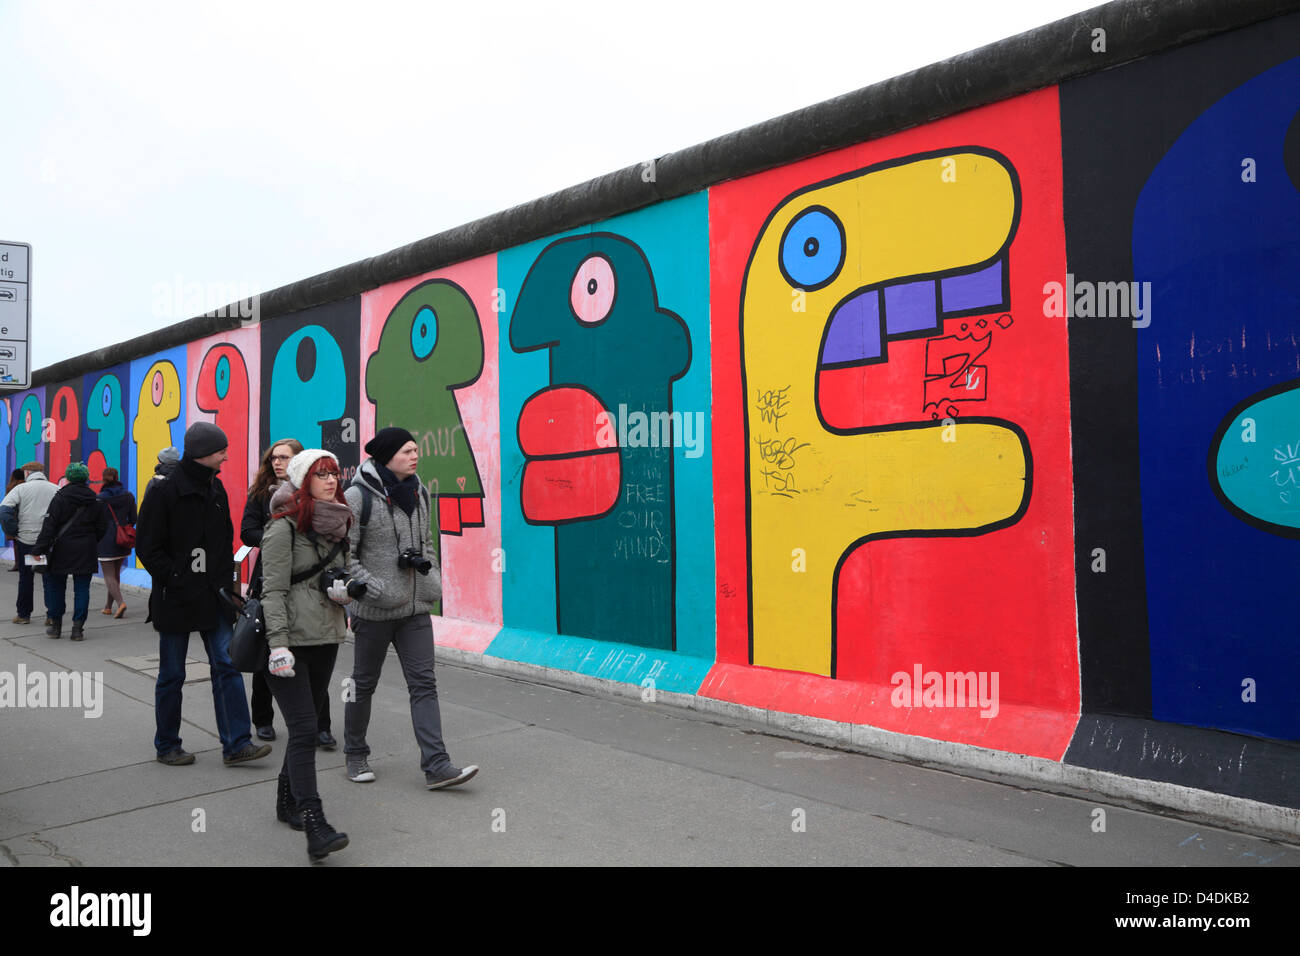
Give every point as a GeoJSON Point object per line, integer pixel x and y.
{"type": "Point", "coordinates": [77, 473]}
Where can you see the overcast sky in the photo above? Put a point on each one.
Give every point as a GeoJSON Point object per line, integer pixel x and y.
{"type": "Point", "coordinates": [150, 147]}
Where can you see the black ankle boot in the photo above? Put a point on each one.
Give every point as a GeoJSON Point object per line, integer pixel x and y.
{"type": "Point", "coordinates": [322, 839]}
{"type": "Point", "coordinates": [54, 627]}
{"type": "Point", "coordinates": [286, 810]}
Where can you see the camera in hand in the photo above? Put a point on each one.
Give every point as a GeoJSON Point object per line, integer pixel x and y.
{"type": "Point", "coordinates": [356, 589]}
{"type": "Point", "coordinates": [414, 558]}
{"type": "Point", "coordinates": [329, 576]}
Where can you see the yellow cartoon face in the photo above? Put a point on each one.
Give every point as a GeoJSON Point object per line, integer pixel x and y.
{"type": "Point", "coordinates": [839, 270]}
{"type": "Point", "coordinates": [159, 405]}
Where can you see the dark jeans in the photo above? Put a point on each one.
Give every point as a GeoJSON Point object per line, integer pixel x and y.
{"type": "Point", "coordinates": [264, 715]}
{"type": "Point", "coordinates": [299, 698]}
{"type": "Point", "coordinates": [413, 639]}
{"type": "Point", "coordinates": [26, 579]}
{"type": "Point", "coordinates": [227, 690]}
{"type": "Point", "coordinates": [56, 595]}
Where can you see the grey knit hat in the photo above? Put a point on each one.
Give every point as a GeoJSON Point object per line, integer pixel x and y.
{"type": "Point", "coordinates": [203, 439]}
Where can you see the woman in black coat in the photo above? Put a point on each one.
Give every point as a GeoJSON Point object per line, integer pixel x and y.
{"type": "Point", "coordinates": [257, 512]}
{"type": "Point", "coordinates": [77, 519]}
{"type": "Point", "coordinates": [119, 508]}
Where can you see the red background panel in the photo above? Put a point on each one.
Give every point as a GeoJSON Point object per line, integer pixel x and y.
{"type": "Point", "coordinates": [1002, 601]}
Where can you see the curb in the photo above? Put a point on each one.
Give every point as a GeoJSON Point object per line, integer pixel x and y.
{"type": "Point", "coordinates": [1031, 773]}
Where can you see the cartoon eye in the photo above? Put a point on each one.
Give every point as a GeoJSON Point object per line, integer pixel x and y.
{"type": "Point", "coordinates": [157, 388]}
{"type": "Point", "coordinates": [222, 376]}
{"type": "Point", "coordinates": [592, 292]}
{"type": "Point", "coordinates": [812, 249]}
{"type": "Point", "coordinates": [106, 400]}
{"type": "Point", "coordinates": [424, 333]}
{"type": "Point", "coordinates": [27, 421]}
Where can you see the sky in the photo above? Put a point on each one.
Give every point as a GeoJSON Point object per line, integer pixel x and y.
{"type": "Point", "coordinates": [152, 150]}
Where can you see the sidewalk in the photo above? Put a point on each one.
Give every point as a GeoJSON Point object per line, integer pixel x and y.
{"type": "Point", "coordinates": [567, 778]}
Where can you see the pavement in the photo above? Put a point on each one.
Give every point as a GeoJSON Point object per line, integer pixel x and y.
{"type": "Point", "coordinates": [568, 778]}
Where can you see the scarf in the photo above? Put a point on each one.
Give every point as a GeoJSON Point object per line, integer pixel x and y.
{"type": "Point", "coordinates": [330, 519]}
{"type": "Point", "coordinates": [404, 492]}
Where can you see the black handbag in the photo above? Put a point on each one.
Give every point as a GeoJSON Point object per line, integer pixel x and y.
{"type": "Point", "coordinates": [249, 651]}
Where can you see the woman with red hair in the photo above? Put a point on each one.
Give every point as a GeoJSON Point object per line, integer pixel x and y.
{"type": "Point", "coordinates": [304, 585]}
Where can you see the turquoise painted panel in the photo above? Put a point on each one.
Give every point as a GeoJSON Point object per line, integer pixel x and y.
{"type": "Point", "coordinates": [678, 673]}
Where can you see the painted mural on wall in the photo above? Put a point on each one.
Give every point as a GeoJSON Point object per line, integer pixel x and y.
{"type": "Point", "coordinates": [614, 353]}
{"type": "Point", "coordinates": [430, 366]}
{"type": "Point", "coordinates": [157, 412]}
{"type": "Point", "coordinates": [310, 379]}
{"type": "Point", "coordinates": [223, 389]}
{"type": "Point", "coordinates": [62, 429]}
{"type": "Point", "coordinates": [1218, 372]}
{"type": "Point", "coordinates": [895, 431]}
{"type": "Point", "coordinates": [106, 432]}
{"type": "Point", "coordinates": [435, 326]}
{"type": "Point", "coordinates": [942, 223]}
{"type": "Point", "coordinates": [604, 411]}
{"type": "Point", "coordinates": [804, 441]}
{"type": "Point", "coordinates": [27, 428]}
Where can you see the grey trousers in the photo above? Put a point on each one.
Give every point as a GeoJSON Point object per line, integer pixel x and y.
{"type": "Point", "coordinates": [413, 639]}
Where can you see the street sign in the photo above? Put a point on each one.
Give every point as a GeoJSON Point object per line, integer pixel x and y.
{"type": "Point", "coordinates": [15, 315]}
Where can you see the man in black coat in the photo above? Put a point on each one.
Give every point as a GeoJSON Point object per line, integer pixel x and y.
{"type": "Point", "coordinates": [77, 519]}
{"type": "Point", "coordinates": [184, 538]}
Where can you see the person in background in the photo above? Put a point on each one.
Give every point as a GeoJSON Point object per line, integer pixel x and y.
{"type": "Point", "coordinates": [23, 513]}
{"type": "Point", "coordinates": [168, 461]}
{"type": "Point", "coordinates": [15, 479]}
{"type": "Point", "coordinates": [74, 523]}
{"type": "Point", "coordinates": [304, 585]}
{"type": "Point", "coordinates": [184, 539]}
{"type": "Point", "coordinates": [120, 507]}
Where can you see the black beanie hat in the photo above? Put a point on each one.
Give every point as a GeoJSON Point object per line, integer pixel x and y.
{"type": "Point", "coordinates": [387, 443]}
{"type": "Point", "coordinates": [203, 439]}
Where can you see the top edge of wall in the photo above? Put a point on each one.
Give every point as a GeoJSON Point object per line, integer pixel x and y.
{"type": "Point", "coordinates": [1020, 64]}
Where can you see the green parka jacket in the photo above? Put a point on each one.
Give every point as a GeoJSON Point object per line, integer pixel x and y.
{"type": "Point", "coordinates": [300, 614]}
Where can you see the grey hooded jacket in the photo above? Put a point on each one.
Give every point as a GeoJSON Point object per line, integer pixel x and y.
{"type": "Point", "coordinates": [392, 593]}
{"type": "Point", "coordinates": [30, 501]}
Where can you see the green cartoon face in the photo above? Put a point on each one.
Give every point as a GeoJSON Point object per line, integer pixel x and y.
{"type": "Point", "coordinates": [431, 344]}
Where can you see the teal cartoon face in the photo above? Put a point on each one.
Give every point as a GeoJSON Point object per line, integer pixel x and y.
{"type": "Point", "coordinates": [106, 417]}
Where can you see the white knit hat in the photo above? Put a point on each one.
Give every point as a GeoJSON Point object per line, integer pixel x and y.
{"type": "Point", "coordinates": [299, 463]}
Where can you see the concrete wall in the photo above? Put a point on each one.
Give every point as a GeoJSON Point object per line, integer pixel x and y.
{"type": "Point", "coordinates": [985, 430]}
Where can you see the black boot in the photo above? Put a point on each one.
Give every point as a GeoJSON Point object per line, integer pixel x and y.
{"type": "Point", "coordinates": [54, 627]}
{"type": "Point", "coordinates": [286, 809]}
{"type": "Point", "coordinates": [322, 839]}
{"type": "Point", "coordinates": [78, 632]}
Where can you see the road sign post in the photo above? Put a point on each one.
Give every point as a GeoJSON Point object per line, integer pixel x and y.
{"type": "Point", "coordinates": [15, 316]}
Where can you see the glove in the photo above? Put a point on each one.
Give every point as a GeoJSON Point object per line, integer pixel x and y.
{"type": "Point", "coordinates": [356, 589]}
{"type": "Point", "coordinates": [338, 593]}
{"type": "Point", "coordinates": [281, 662]}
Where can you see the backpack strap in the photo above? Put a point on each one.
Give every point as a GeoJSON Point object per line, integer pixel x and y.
{"type": "Point", "coordinates": [320, 565]}
{"type": "Point", "coordinates": [367, 491]}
